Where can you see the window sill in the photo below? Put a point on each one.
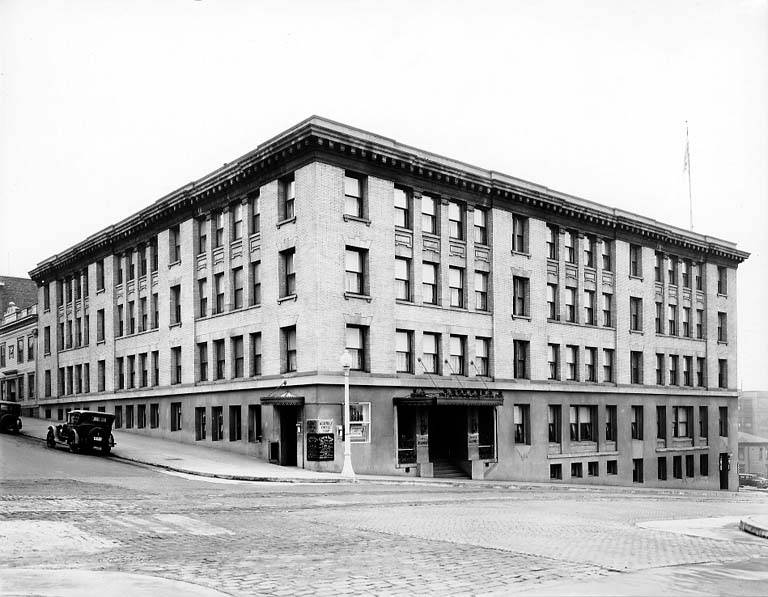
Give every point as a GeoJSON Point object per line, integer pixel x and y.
{"type": "Point", "coordinates": [457, 240]}
{"type": "Point", "coordinates": [520, 253]}
{"type": "Point", "coordinates": [287, 298]}
{"type": "Point", "coordinates": [404, 301]}
{"type": "Point", "coordinates": [524, 317]}
{"type": "Point", "coordinates": [175, 325]}
{"type": "Point", "coordinates": [631, 277]}
{"type": "Point", "coordinates": [403, 229]}
{"type": "Point", "coordinates": [720, 294]}
{"type": "Point", "coordinates": [177, 262]}
{"type": "Point", "coordinates": [638, 332]}
{"type": "Point", "coordinates": [282, 223]}
{"type": "Point", "coordinates": [354, 295]}
{"type": "Point", "coordinates": [351, 218]}
{"type": "Point", "coordinates": [722, 342]}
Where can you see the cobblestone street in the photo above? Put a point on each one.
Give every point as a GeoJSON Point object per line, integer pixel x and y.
{"type": "Point", "coordinates": [281, 539]}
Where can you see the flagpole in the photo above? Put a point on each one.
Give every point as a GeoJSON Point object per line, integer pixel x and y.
{"type": "Point", "coordinates": [688, 167]}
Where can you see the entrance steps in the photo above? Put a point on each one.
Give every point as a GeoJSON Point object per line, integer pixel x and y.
{"type": "Point", "coordinates": [448, 469]}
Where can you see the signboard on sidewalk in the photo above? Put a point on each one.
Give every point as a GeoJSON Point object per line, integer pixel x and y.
{"type": "Point", "coordinates": [320, 440]}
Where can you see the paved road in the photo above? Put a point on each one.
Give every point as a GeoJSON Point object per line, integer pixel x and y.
{"type": "Point", "coordinates": [89, 513]}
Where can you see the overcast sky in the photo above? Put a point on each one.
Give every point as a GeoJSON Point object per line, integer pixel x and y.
{"type": "Point", "coordinates": [105, 106]}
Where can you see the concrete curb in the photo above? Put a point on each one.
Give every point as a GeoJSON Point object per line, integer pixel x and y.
{"type": "Point", "coordinates": [753, 527]}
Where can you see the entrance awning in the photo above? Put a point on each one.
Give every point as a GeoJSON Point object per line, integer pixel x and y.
{"type": "Point", "coordinates": [284, 399]}
{"type": "Point", "coordinates": [450, 397]}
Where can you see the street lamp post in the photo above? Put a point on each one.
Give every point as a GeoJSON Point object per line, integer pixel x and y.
{"type": "Point", "coordinates": [346, 470]}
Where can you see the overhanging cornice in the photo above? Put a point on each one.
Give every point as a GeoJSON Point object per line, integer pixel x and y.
{"type": "Point", "coordinates": [320, 138]}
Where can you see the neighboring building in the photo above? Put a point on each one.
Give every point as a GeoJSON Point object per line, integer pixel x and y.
{"type": "Point", "coordinates": [498, 329]}
{"type": "Point", "coordinates": [22, 292]}
{"type": "Point", "coordinates": [753, 454]}
{"type": "Point", "coordinates": [18, 353]}
{"type": "Point", "coordinates": [753, 413]}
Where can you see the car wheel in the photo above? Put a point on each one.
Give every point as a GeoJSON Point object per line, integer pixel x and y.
{"type": "Point", "coordinates": [50, 439]}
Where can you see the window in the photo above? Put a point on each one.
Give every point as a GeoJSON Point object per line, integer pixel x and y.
{"type": "Point", "coordinates": [236, 220]}
{"type": "Point", "coordinates": [118, 416]}
{"type": "Point", "coordinates": [360, 422]}
{"type": "Point", "coordinates": [220, 359]}
{"type": "Point", "coordinates": [520, 302]}
{"type": "Point", "coordinates": [456, 284]}
{"type": "Point", "coordinates": [31, 386]}
{"type": "Point", "coordinates": [256, 283]}
{"type": "Point", "coordinates": [589, 307]}
{"type": "Point", "coordinates": [722, 373]}
{"type": "Point", "coordinates": [611, 423]}
{"type": "Point", "coordinates": [677, 467]}
{"type": "Point", "coordinates": [175, 304]}
{"type": "Point", "coordinates": [355, 270]}
{"type": "Point", "coordinates": [402, 208]}
{"type": "Point", "coordinates": [659, 320]}
{"type": "Point", "coordinates": [238, 358]}
{"type": "Point", "coordinates": [235, 425]}
{"type": "Point", "coordinates": [482, 351]}
{"type": "Point", "coordinates": [287, 259]}
{"type": "Point", "coordinates": [572, 362]}
{"type": "Point", "coordinates": [287, 197]}
{"type": "Point", "coordinates": [607, 255]}
{"type": "Point", "coordinates": [131, 320]}
{"type": "Point", "coordinates": [521, 354]}
{"type": "Point", "coordinates": [553, 235]}
{"type": "Point", "coordinates": [174, 235]}
{"type": "Point", "coordinates": [612, 467]}
{"type": "Point", "coordinates": [674, 367]}
{"type": "Point", "coordinates": [120, 321]}
{"type": "Point", "coordinates": [218, 229]}
{"type": "Point", "coordinates": [353, 195]}
{"type": "Point", "coordinates": [590, 364]}
{"type": "Point", "coordinates": [553, 360]}
{"type": "Point", "coordinates": [700, 366]}
{"type": "Point", "coordinates": [673, 270]}
{"type": "Point", "coordinates": [255, 341]}
{"type": "Point", "coordinates": [607, 310]}
{"type": "Point", "coordinates": [456, 220]}
{"type": "Point", "coordinates": [143, 327]}
{"type": "Point", "coordinates": [636, 422]}
{"type": "Point", "coordinates": [635, 261]}
{"type": "Point", "coordinates": [722, 280]}
{"type": "Point", "coordinates": [571, 240]}
{"type": "Point", "coordinates": [458, 351]}
{"type": "Point", "coordinates": [101, 373]}
{"type": "Point", "coordinates": [552, 310]}
{"type": "Point", "coordinates": [153, 249]}
{"type": "Point", "coordinates": [155, 311]}
{"type": "Point", "coordinates": [662, 468]}
{"type": "Point", "coordinates": [722, 327]}
{"type": "Point", "coordinates": [593, 469]}
{"type": "Point", "coordinates": [155, 368]}
{"type": "Point", "coordinates": [570, 304]}
{"type": "Point", "coordinates": [143, 371]}
{"type": "Point", "coordinates": [589, 251]}
{"type": "Point", "coordinates": [141, 416]}
{"type": "Point", "coordinates": [237, 287]}
{"type": "Point", "coordinates": [637, 470]}
{"type": "Point", "coordinates": [404, 351]}
{"type": "Point", "coordinates": [660, 367]}
{"type": "Point", "coordinates": [202, 293]}
{"type": "Point", "coordinates": [47, 337]}
{"type": "Point", "coordinates": [429, 214]}
{"type": "Point", "coordinates": [30, 348]}
{"type": "Point", "coordinates": [131, 371]}
{"type": "Point", "coordinates": [290, 363]}
{"type": "Point", "coordinates": [402, 279]}
{"type": "Point", "coordinates": [100, 275]}
{"type": "Point", "coordinates": [142, 254]}
{"type": "Point", "coordinates": [699, 323]}
{"type": "Point", "coordinates": [697, 276]}
{"type": "Point", "coordinates": [120, 373]}
{"type": "Point", "coordinates": [582, 426]}
{"type": "Point", "coordinates": [704, 465]}
{"type": "Point", "coordinates": [356, 340]}
{"type": "Point", "coordinates": [481, 226]}
{"type": "Point", "coordinates": [176, 416]}
{"type": "Point", "coordinates": [723, 421]}
{"type": "Point", "coordinates": [255, 204]}
{"type": "Point", "coordinates": [673, 320]}
{"type": "Point", "coordinates": [522, 424]}
{"type": "Point", "coordinates": [481, 291]}
{"type": "Point", "coordinates": [554, 423]}
{"type": "Point", "coordinates": [681, 421]}
{"type": "Point", "coordinates": [661, 422]}
{"type": "Point", "coordinates": [577, 470]}
{"type": "Point", "coordinates": [686, 273]}
{"type": "Point", "coordinates": [555, 471]}
{"type": "Point", "coordinates": [429, 283]}
{"type": "Point", "coordinates": [176, 365]}
{"type": "Point", "coordinates": [687, 371]}
{"type": "Point", "coordinates": [519, 234]}
{"type": "Point", "coordinates": [635, 314]}
{"type": "Point", "coordinates": [431, 353]}
{"type": "Point", "coordinates": [254, 423]}
{"type": "Point", "coordinates": [636, 367]}
{"type": "Point", "coordinates": [200, 423]}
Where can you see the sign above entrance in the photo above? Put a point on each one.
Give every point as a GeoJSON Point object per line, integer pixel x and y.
{"type": "Point", "coordinates": [451, 396]}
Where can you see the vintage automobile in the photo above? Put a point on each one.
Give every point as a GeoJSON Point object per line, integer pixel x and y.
{"type": "Point", "coordinates": [84, 430]}
{"type": "Point", "coordinates": [10, 417]}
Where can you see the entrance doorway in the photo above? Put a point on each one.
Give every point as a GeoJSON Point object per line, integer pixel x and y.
{"type": "Point", "coordinates": [723, 470]}
{"type": "Point", "coordinates": [448, 433]}
{"type": "Point", "coordinates": [289, 417]}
